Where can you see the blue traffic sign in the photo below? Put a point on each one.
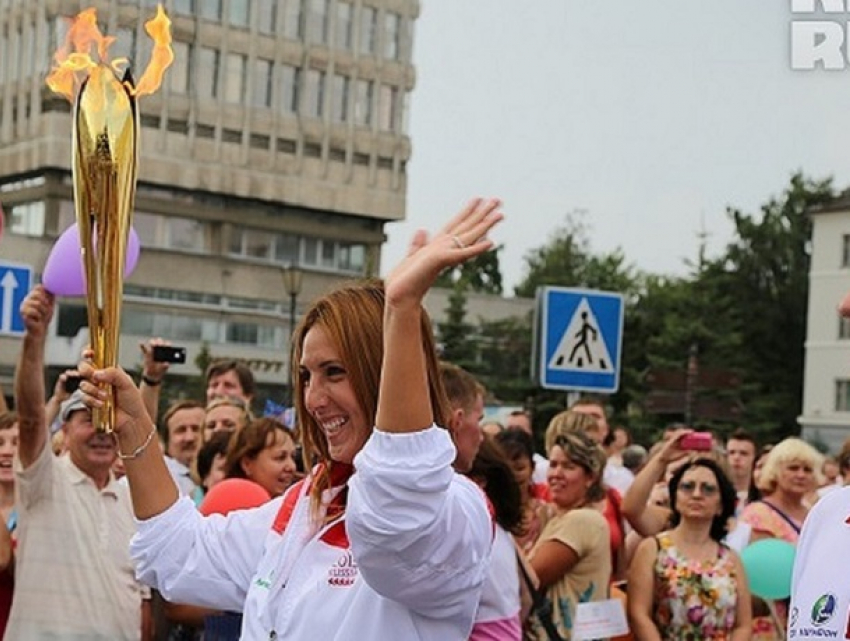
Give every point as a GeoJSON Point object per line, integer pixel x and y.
{"type": "Point", "coordinates": [15, 283]}
{"type": "Point", "coordinates": [581, 337]}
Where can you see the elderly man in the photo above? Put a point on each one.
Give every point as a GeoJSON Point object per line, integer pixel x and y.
{"type": "Point", "coordinates": [74, 578]}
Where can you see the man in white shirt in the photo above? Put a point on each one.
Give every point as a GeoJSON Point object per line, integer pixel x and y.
{"type": "Point", "coordinates": [74, 578]}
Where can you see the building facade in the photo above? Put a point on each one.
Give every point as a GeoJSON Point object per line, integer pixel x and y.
{"type": "Point", "coordinates": [826, 386]}
{"type": "Point", "coordinates": [278, 139]}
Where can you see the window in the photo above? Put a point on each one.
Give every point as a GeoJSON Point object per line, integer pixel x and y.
{"type": "Point", "coordinates": [29, 51]}
{"type": "Point", "coordinates": [328, 255]}
{"type": "Point", "coordinates": [3, 55]}
{"type": "Point", "coordinates": [842, 395]}
{"type": "Point", "coordinates": [262, 83]}
{"type": "Point", "coordinates": [315, 92]}
{"type": "Point", "coordinates": [210, 10]}
{"type": "Point", "coordinates": [184, 234]}
{"type": "Point", "coordinates": [845, 250]}
{"type": "Point", "coordinates": [178, 327]}
{"type": "Point", "coordinates": [71, 319]}
{"type": "Point", "coordinates": [368, 30]}
{"type": "Point", "coordinates": [363, 102]}
{"type": "Point", "coordinates": [27, 219]}
{"type": "Point", "coordinates": [186, 7]}
{"type": "Point", "coordinates": [207, 77]}
{"type": "Point", "coordinates": [387, 108]}
{"type": "Point", "coordinates": [172, 232]}
{"type": "Point", "coordinates": [286, 249]}
{"type": "Point", "coordinates": [292, 20]}
{"type": "Point", "coordinates": [234, 77]}
{"type": "Point", "coordinates": [257, 244]}
{"type": "Point", "coordinates": [251, 334]}
{"type": "Point", "coordinates": [238, 13]}
{"type": "Point", "coordinates": [267, 16]}
{"type": "Point", "coordinates": [344, 25]}
{"type": "Point", "coordinates": [125, 44]}
{"type": "Point", "coordinates": [289, 77]}
{"type": "Point", "coordinates": [311, 251]}
{"type": "Point", "coordinates": [843, 328]}
{"type": "Point", "coordinates": [352, 258]}
{"type": "Point", "coordinates": [14, 54]}
{"type": "Point", "coordinates": [392, 30]}
{"type": "Point", "coordinates": [318, 21]}
{"type": "Point", "coordinates": [179, 72]}
{"type": "Point", "coordinates": [340, 98]}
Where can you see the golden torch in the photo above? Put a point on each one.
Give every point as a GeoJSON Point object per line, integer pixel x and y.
{"type": "Point", "coordinates": [105, 158]}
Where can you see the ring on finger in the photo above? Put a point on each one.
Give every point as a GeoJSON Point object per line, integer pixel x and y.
{"type": "Point", "coordinates": [458, 242]}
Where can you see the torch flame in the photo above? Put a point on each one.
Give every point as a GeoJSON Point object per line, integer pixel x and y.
{"type": "Point", "coordinates": [74, 62]}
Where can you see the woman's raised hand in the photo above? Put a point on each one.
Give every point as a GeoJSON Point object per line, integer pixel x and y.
{"type": "Point", "coordinates": [464, 237]}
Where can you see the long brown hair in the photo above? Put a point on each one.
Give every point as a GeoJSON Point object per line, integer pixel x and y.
{"type": "Point", "coordinates": [352, 317]}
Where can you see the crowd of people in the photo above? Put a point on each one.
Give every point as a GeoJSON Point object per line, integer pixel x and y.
{"type": "Point", "coordinates": [390, 510]}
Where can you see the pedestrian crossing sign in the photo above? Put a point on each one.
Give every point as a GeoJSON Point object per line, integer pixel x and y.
{"type": "Point", "coordinates": [581, 335]}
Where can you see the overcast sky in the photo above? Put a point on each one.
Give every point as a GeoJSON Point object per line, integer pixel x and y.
{"type": "Point", "coordinates": [652, 116]}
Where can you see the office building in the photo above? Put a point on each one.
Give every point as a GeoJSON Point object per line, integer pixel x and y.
{"type": "Point", "coordinates": [278, 139]}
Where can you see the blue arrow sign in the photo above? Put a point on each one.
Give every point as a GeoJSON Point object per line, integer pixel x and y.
{"type": "Point", "coordinates": [15, 283]}
{"type": "Point", "coordinates": [581, 338]}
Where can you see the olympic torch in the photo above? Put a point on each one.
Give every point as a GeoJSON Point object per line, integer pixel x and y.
{"type": "Point", "coordinates": [104, 165]}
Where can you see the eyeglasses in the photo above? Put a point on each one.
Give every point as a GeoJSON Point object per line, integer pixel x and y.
{"type": "Point", "coordinates": [706, 489]}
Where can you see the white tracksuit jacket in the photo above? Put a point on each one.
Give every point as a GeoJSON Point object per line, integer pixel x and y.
{"type": "Point", "coordinates": [407, 563]}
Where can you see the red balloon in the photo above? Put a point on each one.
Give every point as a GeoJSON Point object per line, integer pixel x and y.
{"type": "Point", "coordinates": [233, 494]}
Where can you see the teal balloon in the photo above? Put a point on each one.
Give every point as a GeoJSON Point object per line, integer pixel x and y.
{"type": "Point", "coordinates": [769, 564]}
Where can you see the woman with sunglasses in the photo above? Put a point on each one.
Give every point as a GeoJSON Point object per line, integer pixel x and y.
{"type": "Point", "coordinates": [685, 583]}
{"type": "Point", "coordinates": [396, 549]}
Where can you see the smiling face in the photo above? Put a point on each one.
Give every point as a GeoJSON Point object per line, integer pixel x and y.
{"type": "Point", "coordinates": [568, 481]}
{"type": "Point", "coordinates": [329, 397]}
{"type": "Point", "coordinates": [8, 450]}
{"type": "Point", "coordinates": [274, 466]}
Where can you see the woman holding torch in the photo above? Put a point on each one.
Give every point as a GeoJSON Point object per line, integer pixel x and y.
{"type": "Point", "coordinates": [398, 546]}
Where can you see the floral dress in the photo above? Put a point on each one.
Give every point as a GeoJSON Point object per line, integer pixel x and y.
{"type": "Point", "coordinates": [694, 600]}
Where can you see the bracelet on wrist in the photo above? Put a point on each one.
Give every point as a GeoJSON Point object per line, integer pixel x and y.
{"type": "Point", "coordinates": [135, 453]}
{"type": "Point", "coordinates": [150, 382]}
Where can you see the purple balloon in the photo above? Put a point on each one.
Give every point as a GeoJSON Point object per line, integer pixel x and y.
{"type": "Point", "coordinates": [63, 271]}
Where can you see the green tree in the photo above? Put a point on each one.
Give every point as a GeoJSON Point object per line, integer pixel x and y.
{"type": "Point", "coordinates": [567, 260]}
{"type": "Point", "coordinates": [504, 363]}
{"type": "Point", "coordinates": [457, 336]}
{"type": "Point", "coordinates": [765, 275]}
{"type": "Point", "coordinates": [482, 274]}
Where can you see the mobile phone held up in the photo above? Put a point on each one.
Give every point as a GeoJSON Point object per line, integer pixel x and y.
{"type": "Point", "coordinates": [697, 441]}
{"type": "Point", "coordinates": [71, 384]}
{"type": "Point", "coordinates": [169, 354]}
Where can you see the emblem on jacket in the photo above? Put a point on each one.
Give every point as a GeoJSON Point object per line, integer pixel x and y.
{"type": "Point", "coordinates": [343, 573]}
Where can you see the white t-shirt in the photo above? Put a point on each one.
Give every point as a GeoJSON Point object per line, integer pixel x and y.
{"type": "Point", "coordinates": [820, 590]}
{"type": "Point", "coordinates": [498, 610]}
{"type": "Point", "coordinates": [74, 578]}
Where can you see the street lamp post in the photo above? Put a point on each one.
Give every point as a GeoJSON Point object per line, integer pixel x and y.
{"type": "Point", "coordinates": [292, 277]}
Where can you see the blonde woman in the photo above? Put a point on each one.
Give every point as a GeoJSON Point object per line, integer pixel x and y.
{"type": "Point", "coordinates": [789, 474]}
